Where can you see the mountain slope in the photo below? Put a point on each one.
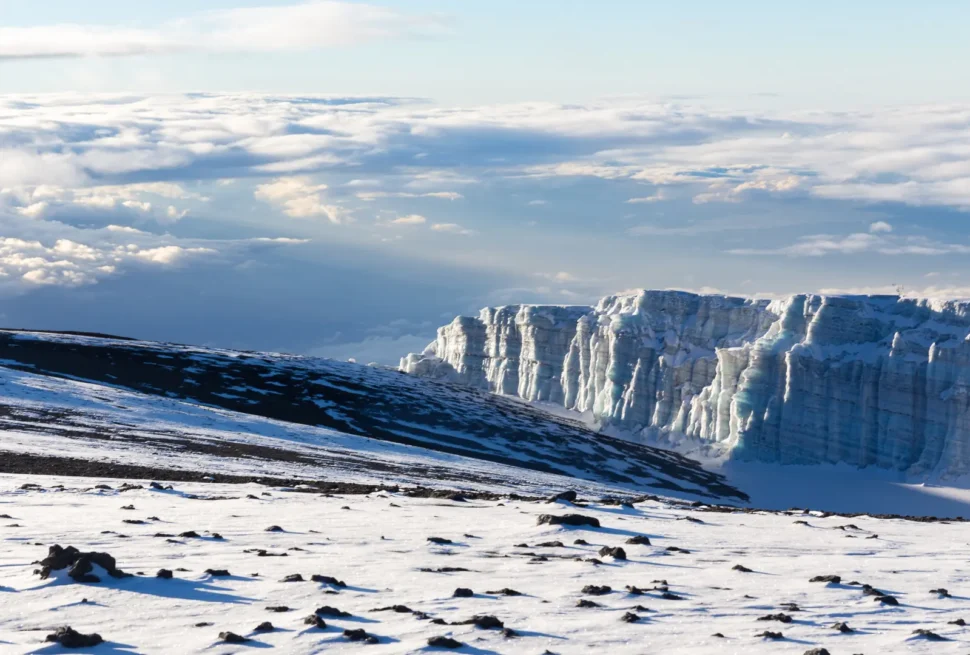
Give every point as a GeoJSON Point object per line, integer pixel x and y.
{"type": "Point", "coordinates": [302, 417]}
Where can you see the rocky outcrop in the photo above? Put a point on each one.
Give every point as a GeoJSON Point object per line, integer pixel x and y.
{"type": "Point", "coordinates": [867, 380]}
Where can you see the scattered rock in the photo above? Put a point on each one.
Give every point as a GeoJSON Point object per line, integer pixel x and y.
{"type": "Point", "coordinates": [203, 624]}
{"type": "Point", "coordinates": [929, 635]}
{"type": "Point", "coordinates": [274, 528]}
{"type": "Point", "coordinates": [630, 617]}
{"type": "Point", "coordinates": [293, 577]}
{"type": "Point", "coordinates": [574, 520]}
{"type": "Point", "coordinates": [81, 564]}
{"type": "Point", "coordinates": [505, 592]}
{"type": "Point", "coordinates": [959, 622]}
{"type": "Point", "coordinates": [551, 544]}
{"type": "Point", "coordinates": [718, 635]}
{"type": "Point", "coordinates": [326, 610]}
{"type": "Point", "coordinates": [218, 573]}
{"type": "Point", "coordinates": [279, 609]}
{"type": "Point", "coordinates": [569, 496]}
{"type": "Point", "coordinates": [441, 541]}
{"type": "Point", "coordinates": [164, 574]}
{"type": "Point", "coordinates": [509, 633]}
{"type": "Point", "coordinates": [741, 568]}
{"type": "Point", "coordinates": [445, 569]}
{"type": "Point", "coordinates": [616, 553]}
{"type": "Point", "coordinates": [943, 593]}
{"type": "Point", "coordinates": [232, 638]}
{"type": "Point", "coordinates": [326, 579]}
{"type": "Point", "coordinates": [639, 540]}
{"type": "Point", "coordinates": [400, 609]}
{"type": "Point", "coordinates": [265, 626]}
{"type": "Point", "coordinates": [444, 642]}
{"type": "Point", "coordinates": [887, 600]}
{"type": "Point", "coordinates": [462, 592]}
{"type": "Point", "coordinates": [829, 579]}
{"type": "Point", "coordinates": [783, 618]}
{"type": "Point", "coordinates": [790, 607]}
{"type": "Point", "coordinates": [670, 596]}
{"type": "Point", "coordinates": [675, 549]}
{"type": "Point", "coordinates": [842, 627]}
{"type": "Point", "coordinates": [587, 604]}
{"type": "Point", "coordinates": [68, 637]}
{"type": "Point", "coordinates": [597, 590]}
{"type": "Point", "coordinates": [484, 621]}
{"type": "Point", "coordinates": [190, 534]}
{"type": "Point", "coordinates": [767, 634]}
{"type": "Point", "coordinates": [315, 621]}
{"type": "Point", "coordinates": [358, 634]}
{"type": "Point", "coordinates": [817, 651]}
{"type": "Point", "coordinates": [581, 542]}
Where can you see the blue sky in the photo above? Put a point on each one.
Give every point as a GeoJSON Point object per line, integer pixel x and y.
{"type": "Point", "coordinates": [340, 178]}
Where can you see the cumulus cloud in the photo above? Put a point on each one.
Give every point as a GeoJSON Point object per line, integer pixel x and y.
{"type": "Point", "coordinates": [375, 195]}
{"type": "Point", "coordinates": [880, 226]}
{"type": "Point", "coordinates": [299, 197]}
{"type": "Point", "coordinates": [294, 27]}
{"type": "Point", "coordinates": [69, 263]}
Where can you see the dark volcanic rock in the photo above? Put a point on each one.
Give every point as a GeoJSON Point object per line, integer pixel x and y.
{"type": "Point", "coordinates": [164, 574]}
{"type": "Point", "coordinates": [580, 542]}
{"type": "Point", "coordinates": [630, 617]}
{"type": "Point", "coordinates": [505, 592]}
{"type": "Point", "coordinates": [326, 610]}
{"type": "Point", "coordinates": [232, 638]}
{"type": "Point", "coordinates": [929, 635]}
{"type": "Point", "coordinates": [484, 621]}
{"type": "Point", "coordinates": [326, 579]}
{"type": "Point", "coordinates": [886, 600]}
{"type": "Point", "coordinates": [274, 528]}
{"type": "Point", "coordinates": [587, 603]}
{"type": "Point", "coordinates": [959, 622]}
{"type": "Point", "coordinates": [943, 593]}
{"type": "Point", "coordinates": [81, 564]}
{"type": "Point", "coordinates": [830, 579]}
{"type": "Point", "coordinates": [574, 520]}
{"type": "Point", "coordinates": [315, 621]}
{"type": "Point", "coordinates": [463, 592]}
{"type": "Point", "coordinates": [509, 633]}
{"type": "Point", "coordinates": [615, 552]}
{"type": "Point", "coordinates": [190, 534]}
{"type": "Point", "coordinates": [842, 627]}
{"type": "Point", "coordinates": [293, 577]}
{"type": "Point", "coordinates": [278, 608]}
{"type": "Point", "coordinates": [675, 549]}
{"type": "Point", "coordinates": [569, 496]}
{"type": "Point", "coordinates": [817, 651]}
{"type": "Point", "coordinates": [741, 568]}
{"type": "Point", "coordinates": [639, 540]}
{"type": "Point", "coordinates": [70, 638]}
{"type": "Point", "coordinates": [551, 544]}
{"type": "Point", "coordinates": [783, 618]}
{"type": "Point", "coordinates": [790, 607]}
{"type": "Point", "coordinates": [444, 642]}
{"type": "Point", "coordinates": [441, 541]}
{"type": "Point", "coordinates": [399, 609]}
{"type": "Point", "coordinates": [358, 634]}
{"type": "Point", "coordinates": [218, 573]}
{"type": "Point", "coordinates": [597, 590]}
{"type": "Point", "coordinates": [265, 626]}
{"type": "Point", "coordinates": [767, 634]}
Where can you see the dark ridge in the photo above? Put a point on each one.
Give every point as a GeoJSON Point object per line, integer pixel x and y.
{"type": "Point", "coordinates": [72, 333]}
{"type": "Point", "coordinates": [365, 401]}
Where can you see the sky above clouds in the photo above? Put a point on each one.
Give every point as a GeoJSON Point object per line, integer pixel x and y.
{"type": "Point", "coordinates": [339, 178]}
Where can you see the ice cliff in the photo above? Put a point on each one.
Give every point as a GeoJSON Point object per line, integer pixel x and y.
{"type": "Point", "coordinates": [867, 380]}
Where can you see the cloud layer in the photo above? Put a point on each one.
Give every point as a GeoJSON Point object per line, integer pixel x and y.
{"type": "Point", "coordinates": [303, 26]}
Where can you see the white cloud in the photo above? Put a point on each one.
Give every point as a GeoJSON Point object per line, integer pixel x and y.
{"type": "Point", "coordinates": [299, 197]}
{"type": "Point", "coordinates": [451, 228]}
{"type": "Point", "coordinates": [880, 226]}
{"type": "Point", "coordinates": [295, 27]}
{"type": "Point", "coordinates": [375, 195]}
{"type": "Point", "coordinates": [862, 242]}
{"type": "Point", "coordinates": [70, 263]}
{"type": "Point", "coordinates": [410, 219]}
{"type": "Point", "coordinates": [656, 197]}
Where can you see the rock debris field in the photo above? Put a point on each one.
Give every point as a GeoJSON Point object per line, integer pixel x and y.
{"type": "Point", "coordinates": [111, 566]}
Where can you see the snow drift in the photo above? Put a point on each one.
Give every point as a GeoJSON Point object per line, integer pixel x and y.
{"type": "Point", "coordinates": [866, 380]}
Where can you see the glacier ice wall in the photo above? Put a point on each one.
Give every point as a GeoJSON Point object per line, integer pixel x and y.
{"type": "Point", "coordinates": [867, 380]}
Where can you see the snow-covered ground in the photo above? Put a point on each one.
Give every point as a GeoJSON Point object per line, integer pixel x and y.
{"type": "Point", "coordinates": [378, 545]}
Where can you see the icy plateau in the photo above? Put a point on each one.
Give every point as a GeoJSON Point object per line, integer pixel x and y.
{"type": "Point", "coordinates": [879, 381]}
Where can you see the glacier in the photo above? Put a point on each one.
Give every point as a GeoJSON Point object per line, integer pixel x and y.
{"type": "Point", "coordinates": [880, 381]}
